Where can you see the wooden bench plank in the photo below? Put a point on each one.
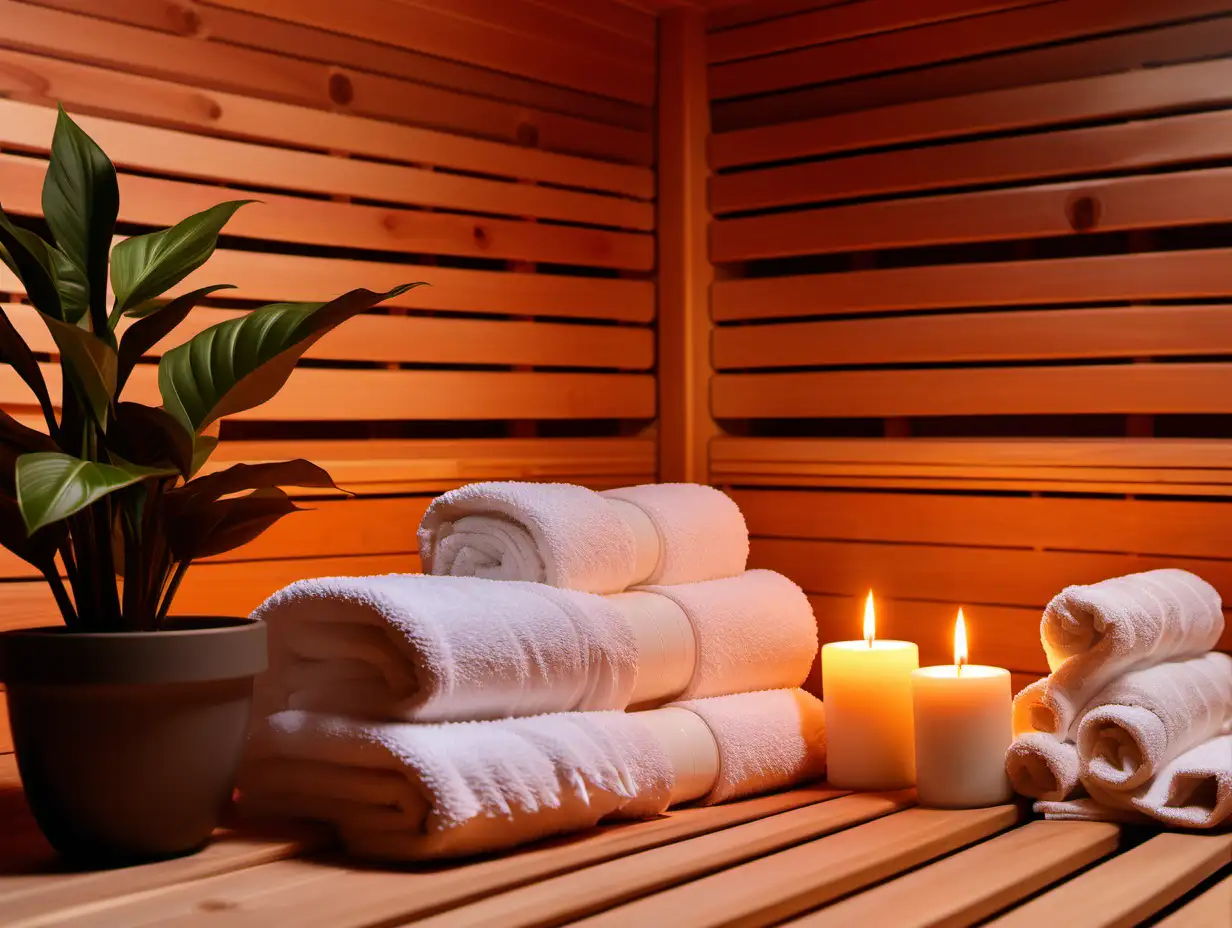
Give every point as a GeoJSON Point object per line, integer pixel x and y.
{"type": "Point", "coordinates": [1130, 887]}
{"type": "Point", "coordinates": [1132, 94]}
{"type": "Point", "coordinates": [137, 98]}
{"type": "Point", "coordinates": [1167, 275]}
{"type": "Point", "coordinates": [1096, 389]}
{"type": "Point", "coordinates": [1209, 910]}
{"type": "Point", "coordinates": [323, 894]}
{"type": "Point", "coordinates": [1120, 331]}
{"type": "Point", "coordinates": [148, 148]}
{"type": "Point", "coordinates": [975, 883]}
{"type": "Point", "coordinates": [584, 892]}
{"type": "Point", "coordinates": [769, 889]}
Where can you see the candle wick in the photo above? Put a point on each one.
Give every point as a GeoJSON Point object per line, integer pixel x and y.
{"type": "Point", "coordinates": [959, 663]}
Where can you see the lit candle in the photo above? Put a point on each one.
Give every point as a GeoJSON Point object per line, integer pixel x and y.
{"type": "Point", "coordinates": [962, 730]}
{"type": "Point", "coordinates": [867, 690]}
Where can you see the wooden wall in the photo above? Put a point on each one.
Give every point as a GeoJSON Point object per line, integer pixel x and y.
{"type": "Point", "coordinates": [974, 301]}
{"type": "Point", "coordinates": [500, 149]}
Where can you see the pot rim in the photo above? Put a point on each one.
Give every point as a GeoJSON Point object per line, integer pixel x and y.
{"type": "Point", "coordinates": [224, 625]}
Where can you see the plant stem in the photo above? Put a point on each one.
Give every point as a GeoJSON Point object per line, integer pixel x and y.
{"type": "Point", "coordinates": [57, 588]}
{"type": "Point", "coordinates": [180, 569]}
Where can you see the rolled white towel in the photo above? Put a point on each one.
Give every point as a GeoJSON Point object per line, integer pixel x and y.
{"type": "Point", "coordinates": [1042, 766]}
{"type": "Point", "coordinates": [1143, 720]}
{"type": "Point", "coordinates": [417, 648]}
{"type": "Point", "coordinates": [1094, 634]}
{"type": "Point", "coordinates": [571, 537]}
{"type": "Point", "coordinates": [401, 791]}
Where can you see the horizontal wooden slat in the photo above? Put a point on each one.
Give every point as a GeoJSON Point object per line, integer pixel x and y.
{"type": "Point", "coordinates": [1137, 145]}
{"type": "Point", "coordinates": [1133, 331]}
{"type": "Point", "coordinates": [737, 13]}
{"type": "Point", "coordinates": [30, 127]}
{"type": "Point", "coordinates": [767, 890]}
{"type": "Point", "coordinates": [306, 892]}
{"type": "Point", "coordinates": [311, 221]}
{"type": "Point", "coordinates": [954, 574]}
{"type": "Point", "coordinates": [614, 15]}
{"type": "Point", "coordinates": [1209, 910]}
{"type": "Point", "coordinates": [1129, 888]}
{"type": "Point", "coordinates": [926, 45]}
{"type": "Point", "coordinates": [1112, 204]}
{"type": "Point", "coordinates": [229, 68]}
{"type": "Point", "coordinates": [422, 340]}
{"type": "Point", "coordinates": [1158, 276]}
{"type": "Point", "coordinates": [574, 895]}
{"type": "Point", "coordinates": [1101, 55]}
{"type": "Point", "coordinates": [1098, 389]}
{"type": "Point", "coordinates": [977, 882]}
{"type": "Point", "coordinates": [445, 36]}
{"type": "Point", "coordinates": [145, 99]}
{"type": "Point", "coordinates": [823, 26]}
{"type": "Point", "coordinates": [1134, 94]}
{"type": "Point", "coordinates": [1185, 529]}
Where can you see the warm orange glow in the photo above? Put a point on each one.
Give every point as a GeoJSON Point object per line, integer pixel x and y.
{"type": "Point", "coordinates": [870, 620]}
{"type": "Point", "coordinates": [960, 643]}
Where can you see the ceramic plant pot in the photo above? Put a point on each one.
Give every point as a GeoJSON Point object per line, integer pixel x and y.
{"type": "Point", "coordinates": [128, 743]}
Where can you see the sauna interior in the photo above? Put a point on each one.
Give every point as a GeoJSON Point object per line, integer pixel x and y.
{"type": "Point", "coordinates": [940, 291]}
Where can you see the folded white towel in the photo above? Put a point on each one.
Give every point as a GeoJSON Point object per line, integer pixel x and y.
{"type": "Point", "coordinates": [417, 648]}
{"type": "Point", "coordinates": [400, 790]}
{"type": "Point", "coordinates": [1042, 766]}
{"type": "Point", "coordinates": [404, 791]}
{"type": "Point", "coordinates": [1191, 791]}
{"type": "Point", "coordinates": [571, 537]}
{"type": "Point", "coordinates": [1141, 721]}
{"type": "Point", "coordinates": [1093, 634]}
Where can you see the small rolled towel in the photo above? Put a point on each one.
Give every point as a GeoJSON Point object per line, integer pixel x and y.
{"type": "Point", "coordinates": [400, 791]}
{"type": "Point", "coordinates": [1141, 721]}
{"type": "Point", "coordinates": [1191, 791]}
{"type": "Point", "coordinates": [1042, 766]}
{"type": "Point", "coordinates": [1093, 634]}
{"type": "Point", "coordinates": [416, 648]}
{"type": "Point", "coordinates": [571, 537]}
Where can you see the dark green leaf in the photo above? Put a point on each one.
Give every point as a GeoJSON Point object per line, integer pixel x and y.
{"type": "Point", "coordinates": [151, 437]}
{"type": "Point", "coordinates": [90, 361]}
{"type": "Point", "coordinates": [30, 259]}
{"type": "Point", "coordinates": [52, 486]}
{"type": "Point", "coordinates": [80, 202]}
{"type": "Point", "coordinates": [21, 437]}
{"type": "Point", "coordinates": [209, 528]}
{"type": "Point", "coordinates": [203, 447]}
{"type": "Point", "coordinates": [240, 477]}
{"type": "Point", "coordinates": [38, 549]}
{"type": "Point", "coordinates": [241, 363]}
{"type": "Point", "coordinates": [16, 353]}
{"type": "Point", "coordinates": [72, 286]}
{"type": "Point", "coordinates": [146, 266]}
{"type": "Point", "coordinates": [154, 326]}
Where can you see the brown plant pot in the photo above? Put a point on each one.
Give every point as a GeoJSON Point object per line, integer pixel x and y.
{"type": "Point", "coordinates": [128, 743]}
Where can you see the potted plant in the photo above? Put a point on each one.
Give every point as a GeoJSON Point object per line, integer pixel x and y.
{"type": "Point", "coordinates": [129, 724]}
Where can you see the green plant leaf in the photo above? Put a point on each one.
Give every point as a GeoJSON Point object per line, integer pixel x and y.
{"type": "Point", "coordinates": [221, 525]}
{"type": "Point", "coordinates": [16, 353]}
{"type": "Point", "coordinates": [52, 486]}
{"type": "Point", "coordinates": [90, 361]}
{"type": "Point", "coordinates": [152, 437]}
{"type": "Point", "coordinates": [29, 257]}
{"type": "Point", "coordinates": [154, 326]}
{"type": "Point", "coordinates": [203, 447]}
{"type": "Point", "coordinates": [38, 548]}
{"type": "Point", "coordinates": [240, 477]}
{"type": "Point", "coordinates": [80, 202]}
{"type": "Point", "coordinates": [241, 363]}
{"type": "Point", "coordinates": [147, 266]}
{"type": "Point", "coordinates": [71, 285]}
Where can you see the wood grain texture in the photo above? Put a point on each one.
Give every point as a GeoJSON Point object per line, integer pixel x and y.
{"type": "Point", "coordinates": [976, 883]}
{"type": "Point", "coordinates": [1129, 888]}
{"type": "Point", "coordinates": [777, 886]}
{"type": "Point", "coordinates": [1209, 910]}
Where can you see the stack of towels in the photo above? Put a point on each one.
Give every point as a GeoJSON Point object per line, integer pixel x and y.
{"type": "Point", "coordinates": [484, 704]}
{"type": "Point", "coordinates": [1135, 721]}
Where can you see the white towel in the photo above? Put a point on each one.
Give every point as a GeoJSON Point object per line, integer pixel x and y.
{"type": "Point", "coordinates": [401, 791]}
{"type": "Point", "coordinates": [571, 537]}
{"type": "Point", "coordinates": [1093, 634]}
{"type": "Point", "coordinates": [422, 648]}
{"type": "Point", "coordinates": [397, 790]}
{"type": "Point", "coordinates": [417, 648]}
{"type": "Point", "coordinates": [1042, 766]}
{"type": "Point", "coordinates": [1141, 721]}
{"type": "Point", "coordinates": [1191, 791]}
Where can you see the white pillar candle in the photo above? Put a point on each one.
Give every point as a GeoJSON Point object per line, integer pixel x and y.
{"type": "Point", "coordinates": [962, 730]}
{"type": "Point", "coordinates": [867, 690]}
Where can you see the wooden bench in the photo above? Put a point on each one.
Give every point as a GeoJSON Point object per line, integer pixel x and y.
{"type": "Point", "coordinates": [813, 857]}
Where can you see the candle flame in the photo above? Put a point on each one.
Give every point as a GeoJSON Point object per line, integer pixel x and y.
{"type": "Point", "coordinates": [960, 643]}
{"type": "Point", "coordinates": [870, 620]}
